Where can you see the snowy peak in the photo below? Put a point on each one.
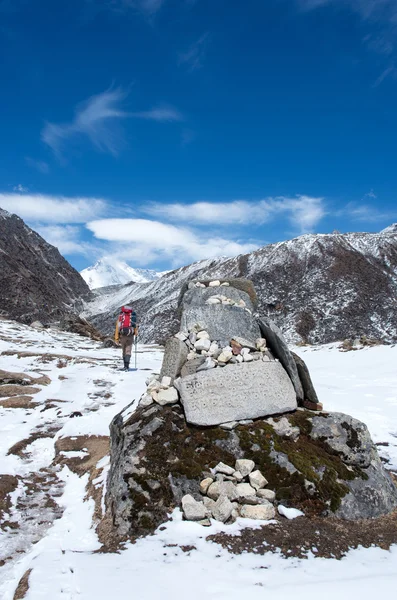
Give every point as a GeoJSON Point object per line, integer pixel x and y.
{"type": "Point", "coordinates": [390, 229]}
{"type": "Point", "coordinates": [109, 271]}
{"type": "Point", "coordinates": [4, 214]}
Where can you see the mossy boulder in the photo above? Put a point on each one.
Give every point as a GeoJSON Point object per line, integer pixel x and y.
{"type": "Point", "coordinates": [156, 458]}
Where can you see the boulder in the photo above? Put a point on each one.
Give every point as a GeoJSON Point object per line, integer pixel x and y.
{"type": "Point", "coordinates": [236, 392]}
{"type": "Point", "coordinates": [308, 388]}
{"type": "Point", "coordinates": [192, 509]}
{"type": "Point", "coordinates": [175, 356]}
{"type": "Point", "coordinates": [262, 512]}
{"type": "Point", "coordinates": [278, 346]}
{"type": "Point", "coordinates": [222, 509]}
{"type": "Point", "coordinates": [157, 444]}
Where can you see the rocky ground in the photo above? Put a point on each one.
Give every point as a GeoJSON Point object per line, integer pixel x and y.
{"type": "Point", "coordinates": [58, 394]}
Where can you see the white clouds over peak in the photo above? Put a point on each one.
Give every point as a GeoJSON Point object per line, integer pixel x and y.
{"type": "Point", "coordinates": [145, 241]}
{"type": "Point", "coordinates": [52, 209]}
{"type": "Point", "coordinates": [304, 211]}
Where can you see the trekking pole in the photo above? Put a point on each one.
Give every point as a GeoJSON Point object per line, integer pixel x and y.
{"type": "Point", "coordinates": [136, 352]}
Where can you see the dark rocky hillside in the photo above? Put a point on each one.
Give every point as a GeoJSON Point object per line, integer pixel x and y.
{"type": "Point", "coordinates": [317, 288]}
{"type": "Point", "coordinates": [36, 282]}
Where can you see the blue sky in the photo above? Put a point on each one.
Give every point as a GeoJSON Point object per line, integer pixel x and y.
{"type": "Point", "coordinates": [167, 131]}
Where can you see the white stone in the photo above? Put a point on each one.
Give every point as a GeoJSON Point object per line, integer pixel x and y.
{"type": "Point", "coordinates": [209, 363]}
{"type": "Point", "coordinates": [225, 488]}
{"type": "Point", "coordinates": [192, 355]}
{"type": "Point", "coordinates": [213, 300]}
{"type": "Point", "coordinates": [193, 510]}
{"type": "Point", "coordinates": [223, 509]}
{"type": "Point", "coordinates": [168, 396]}
{"type": "Point", "coordinates": [225, 356]}
{"type": "Point", "coordinates": [181, 336]}
{"type": "Point", "coordinates": [269, 495]}
{"type": "Point", "coordinates": [203, 344]}
{"type": "Point", "coordinates": [245, 466]}
{"type": "Point", "coordinates": [238, 476]}
{"type": "Point", "coordinates": [229, 426]}
{"type": "Point", "coordinates": [257, 480]}
{"type": "Point", "coordinates": [213, 348]}
{"type": "Point", "coordinates": [200, 285]}
{"type": "Point", "coordinates": [205, 484]}
{"type": "Point", "coordinates": [153, 385]}
{"type": "Point", "coordinates": [202, 334]}
{"type": "Point", "coordinates": [215, 283]}
{"type": "Point", "coordinates": [239, 358]}
{"type": "Point", "coordinates": [146, 400]}
{"type": "Point", "coordinates": [248, 357]}
{"type": "Point", "coordinates": [262, 512]}
{"type": "Point", "coordinates": [165, 381]}
{"type": "Point", "coordinates": [244, 490]}
{"type": "Point", "coordinates": [289, 513]}
{"type": "Point", "coordinates": [225, 469]}
{"type": "Point", "coordinates": [260, 343]}
{"type": "Point", "coordinates": [225, 284]}
{"type": "Point", "coordinates": [245, 351]}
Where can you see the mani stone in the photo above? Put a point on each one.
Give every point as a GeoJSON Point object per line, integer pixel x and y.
{"type": "Point", "coordinates": [236, 392]}
{"type": "Point", "coordinates": [175, 356]}
{"type": "Point", "coordinates": [278, 346]}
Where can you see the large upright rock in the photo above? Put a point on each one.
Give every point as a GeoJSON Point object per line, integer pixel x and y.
{"type": "Point", "coordinates": [222, 321]}
{"type": "Point", "coordinates": [279, 347]}
{"type": "Point", "coordinates": [175, 355]}
{"type": "Point", "coordinates": [236, 392]}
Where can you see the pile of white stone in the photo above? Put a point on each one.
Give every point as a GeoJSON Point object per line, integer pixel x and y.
{"type": "Point", "coordinates": [229, 493]}
{"type": "Point", "coordinates": [239, 350]}
{"type": "Point", "coordinates": [160, 391]}
{"type": "Point", "coordinates": [219, 298]}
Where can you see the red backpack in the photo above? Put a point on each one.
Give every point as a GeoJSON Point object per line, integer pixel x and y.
{"type": "Point", "coordinates": [127, 321]}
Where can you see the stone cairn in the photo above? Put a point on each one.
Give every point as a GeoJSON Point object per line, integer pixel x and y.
{"type": "Point", "coordinates": [229, 493]}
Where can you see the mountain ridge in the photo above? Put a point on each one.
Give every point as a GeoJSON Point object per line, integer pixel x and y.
{"type": "Point", "coordinates": [318, 288]}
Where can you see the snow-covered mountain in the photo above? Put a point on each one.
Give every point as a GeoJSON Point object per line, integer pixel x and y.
{"type": "Point", "coordinates": [110, 271]}
{"type": "Point", "coordinates": [317, 288]}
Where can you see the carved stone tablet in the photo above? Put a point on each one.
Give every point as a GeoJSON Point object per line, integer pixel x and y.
{"type": "Point", "coordinates": [236, 392]}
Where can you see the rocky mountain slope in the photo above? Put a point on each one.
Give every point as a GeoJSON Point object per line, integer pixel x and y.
{"type": "Point", "coordinates": [36, 282]}
{"type": "Point", "coordinates": [317, 288]}
{"type": "Point", "coordinates": [110, 271]}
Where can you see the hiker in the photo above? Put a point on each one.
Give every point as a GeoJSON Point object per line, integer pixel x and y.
{"type": "Point", "coordinates": [126, 330]}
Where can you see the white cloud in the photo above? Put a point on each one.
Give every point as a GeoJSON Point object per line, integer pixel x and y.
{"type": "Point", "coordinates": [194, 56]}
{"type": "Point", "coordinates": [304, 211]}
{"type": "Point", "coordinates": [39, 165]}
{"type": "Point", "coordinates": [144, 241]}
{"type": "Point", "coordinates": [53, 209]}
{"type": "Point", "coordinates": [98, 120]}
{"type": "Point", "coordinates": [365, 213]}
{"type": "Point", "coordinates": [66, 238]}
{"type": "Point", "coordinates": [20, 188]}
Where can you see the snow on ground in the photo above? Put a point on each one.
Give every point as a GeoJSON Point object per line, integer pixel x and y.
{"type": "Point", "coordinates": [57, 541]}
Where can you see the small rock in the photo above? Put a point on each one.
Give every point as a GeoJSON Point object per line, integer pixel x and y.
{"type": "Point", "coordinates": [266, 495]}
{"type": "Point", "coordinates": [168, 396]}
{"type": "Point", "coordinates": [225, 469]}
{"type": "Point", "coordinates": [192, 337]}
{"type": "Point", "coordinates": [165, 382]}
{"type": "Point", "coordinates": [203, 334]}
{"type": "Point", "coordinates": [205, 523]}
{"type": "Point", "coordinates": [200, 285]}
{"type": "Point", "coordinates": [215, 283]}
{"type": "Point", "coordinates": [317, 406]}
{"type": "Point", "coordinates": [213, 348]}
{"type": "Point", "coordinates": [225, 284]}
{"type": "Point", "coordinates": [193, 510]}
{"type": "Point", "coordinates": [245, 466]}
{"type": "Point", "coordinates": [248, 358]}
{"type": "Point", "coordinates": [209, 363]}
{"type": "Point", "coordinates": [181, 336]}
{"type": "Point", "coordinates": [226, 488]}
{"type": "Point", "coordinates": [213, 300]}
{"type": "Point", "coordinates": [146, 400]}
{"type": "Point", "coordinates": [237, 476]}
{"type": "Point", "coordinates": [245, 489]}
{"type": "Point", "coordinates": [229, 426]}
{"type": "Point", "coordinates": [261, 344]}
{"type": "Point", "coordinates": [203, 344]}
{"type": "Point", "coordinates": [153, 385]}
{"type": "Point", "coordinates": [223, 509]}
{"type": "Point", "coordinates": [225, 356]}
{"type": "Point", "coordinates": [262, 512]}
{"type": "Point", "coordinates": [191, 355]}
{"type": "Point", "coordinates": [257, 480]}
{"type": "Point", "coordinates": [205, 484]}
